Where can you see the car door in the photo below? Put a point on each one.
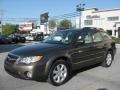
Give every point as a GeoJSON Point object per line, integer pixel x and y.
{"type": "Point", "coordinates": [83, 54]}
{"type": "Point", "coordinates": [99, 49]}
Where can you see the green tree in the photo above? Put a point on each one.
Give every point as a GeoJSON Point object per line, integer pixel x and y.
{"type": "Point", "coordinates": [9, 29]}
{"type": "Point", "coordinates": [52, 24]}
{"type": "Point", "coordinates": [65, 24]}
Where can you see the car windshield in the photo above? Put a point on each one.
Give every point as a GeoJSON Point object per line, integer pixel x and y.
{"type": "Point", "coordinates": [60, 37]}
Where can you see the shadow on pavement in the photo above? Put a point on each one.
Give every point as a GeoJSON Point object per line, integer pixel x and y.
{"type": "Point", "coordinates": [74, 73]}
{"type": "Point", "coordinates": [102, 89]}
{"type": "Point", "coordinates": [9, 47]}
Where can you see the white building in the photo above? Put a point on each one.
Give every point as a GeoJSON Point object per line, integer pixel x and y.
{"type": "Point", "coordinates": [109, 20]}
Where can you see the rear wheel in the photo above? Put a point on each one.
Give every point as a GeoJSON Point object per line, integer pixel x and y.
{"type": "Point", "coordinates": [108, 59]}
{"type": "Point", "coordinates": [59, 73]}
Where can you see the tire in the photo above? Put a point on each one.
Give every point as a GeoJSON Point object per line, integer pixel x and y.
{"type": "Point", "coordinates": [59, 73]}
{"type": "Point", "coordinates": [108, 59]}
{"type": "Point", "coordinates": [23, 41]}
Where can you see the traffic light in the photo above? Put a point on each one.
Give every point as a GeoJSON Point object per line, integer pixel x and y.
{"type": "Point", "coordinates": [44, 18]}
{"type": "Point", "coordinates": [0, 22]}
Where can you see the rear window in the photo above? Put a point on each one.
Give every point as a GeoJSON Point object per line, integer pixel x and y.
{"type": "Point", "coordinates": [105, 36]}
{"type": "Point", "coordinates": [97, 37]}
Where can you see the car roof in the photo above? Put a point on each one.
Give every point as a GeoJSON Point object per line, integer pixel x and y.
{"type": "Point", "coordinates": [85, 29]}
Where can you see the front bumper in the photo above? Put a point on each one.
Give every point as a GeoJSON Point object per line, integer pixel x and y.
{"type": "Point", "coordinates": [37, 70]}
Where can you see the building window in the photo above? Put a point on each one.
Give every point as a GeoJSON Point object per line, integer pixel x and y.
{"type": "Point", "coordinates": [88, 22]}
{"type": "Point", "coordinates": [115, 18]}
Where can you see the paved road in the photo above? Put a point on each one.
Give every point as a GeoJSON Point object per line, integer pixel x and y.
{"type": "Point", "coordinates": [97, 78]}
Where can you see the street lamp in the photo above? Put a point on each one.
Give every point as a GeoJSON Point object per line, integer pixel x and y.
{"type": "Point", "coordinates": [80, 8]}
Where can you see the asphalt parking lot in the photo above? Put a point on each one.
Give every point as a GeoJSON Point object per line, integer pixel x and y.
{"type": "Point", "coordinates": [91, 78]}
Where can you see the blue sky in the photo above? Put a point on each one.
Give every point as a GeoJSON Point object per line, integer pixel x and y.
{"type": "Point", "coordinates": [33, 8]}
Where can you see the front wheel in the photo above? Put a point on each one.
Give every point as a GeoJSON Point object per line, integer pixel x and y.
{"type": "Point", "coordinates": [108, 59]}
{"type": "Point", "coordinates": [59, 73]}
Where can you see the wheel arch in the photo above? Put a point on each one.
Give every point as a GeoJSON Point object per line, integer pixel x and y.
{"type": "Point", "coordinates": [110, 50]}
{"type": "Point", "coordinates": [51, 62]}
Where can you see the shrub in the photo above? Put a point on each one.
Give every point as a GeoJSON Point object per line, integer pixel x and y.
{"type": "Point", "coordinates": [117, 40]}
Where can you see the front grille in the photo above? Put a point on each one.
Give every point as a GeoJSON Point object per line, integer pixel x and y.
{"type": "Point", "coordinates": [11, 58]}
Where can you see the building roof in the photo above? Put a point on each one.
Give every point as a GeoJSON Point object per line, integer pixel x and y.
{"type": "Point", "coordinates": [96, 9]}
{"type": "Point", "coordinates": [115, 9]}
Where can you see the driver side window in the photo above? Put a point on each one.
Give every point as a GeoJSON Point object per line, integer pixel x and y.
{"type": "Point", "coordinates": [86, 37]}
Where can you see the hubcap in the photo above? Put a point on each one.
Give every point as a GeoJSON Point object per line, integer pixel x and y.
{"type": "Point", "coordinates": [109, 59]}
{"type": "Point", "coordinates": [60, 73]}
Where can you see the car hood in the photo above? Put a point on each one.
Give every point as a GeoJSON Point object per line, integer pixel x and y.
{"type": "Point", "coordinates": [36, 49]}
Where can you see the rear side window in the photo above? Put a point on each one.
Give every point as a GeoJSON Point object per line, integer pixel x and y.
{"type": "Point", "coordinates": [97, 37]}
{"type": "Point", "coordinates": [105, 36]}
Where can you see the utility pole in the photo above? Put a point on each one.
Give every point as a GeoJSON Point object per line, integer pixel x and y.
{"type": "Point", "coordinates": [1, 18]}
{"type": "Point", "coordinates": [80, 8]}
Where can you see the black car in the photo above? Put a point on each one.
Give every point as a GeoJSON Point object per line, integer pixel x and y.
{"type": "Point", "coordinates": [17, 38]}
{"type": "Point", "coordinates": [5, 39]}
{"type": "Point", "coordinates": [61, 53]}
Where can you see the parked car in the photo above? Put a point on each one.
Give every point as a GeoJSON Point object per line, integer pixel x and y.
{"type": "Point", "coordinates": [63, 52]}
{"type": "Point", "coordinates": [46, 36]}
{"type": "Point", "coordinates": [17, 38]}
{"type": "Point", "coordinates": [35, 36]}
{"type": "Point", "coordinates": [39, 36]}
{"type": "Point", "coordinates": [5, 39]}
{"type": "Point", "coordinates": [29, 37]}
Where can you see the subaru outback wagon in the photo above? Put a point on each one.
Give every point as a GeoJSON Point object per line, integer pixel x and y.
{"type": "Point", "coordinates": [61, 53]}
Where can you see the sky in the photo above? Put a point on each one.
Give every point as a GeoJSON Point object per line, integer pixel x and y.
{"type": "Point", "coordinates": [33, 8]}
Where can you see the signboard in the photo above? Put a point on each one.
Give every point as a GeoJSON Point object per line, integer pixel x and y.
{"type": "Point", "coordinates": [92, 16]}
{"type": "Point", "coordinates": [44, 18]}
{"type": "Point", "coordinates": [26, 26]}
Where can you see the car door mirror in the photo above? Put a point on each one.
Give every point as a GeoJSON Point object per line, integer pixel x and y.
{"type": "Point", "coordinates": [80, 40]}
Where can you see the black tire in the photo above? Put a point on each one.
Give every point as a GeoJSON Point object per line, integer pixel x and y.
{"type": "Point", "coordinates": [59, 74]}
{"type": "Point", "coordinates": [108, 59]}
{"type": "Point", "coordinates": [23, 41]}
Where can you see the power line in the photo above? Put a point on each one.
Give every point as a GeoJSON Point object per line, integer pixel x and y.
{"type": "Point", "coordinates": [68, 15]}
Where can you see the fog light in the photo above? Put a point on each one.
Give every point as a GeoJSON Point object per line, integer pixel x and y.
{"type": "Point", "coordinates": [29, 74]}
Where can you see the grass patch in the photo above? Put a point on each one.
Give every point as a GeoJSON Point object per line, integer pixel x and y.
{"type": "Point", "coordinates": [117, 40]}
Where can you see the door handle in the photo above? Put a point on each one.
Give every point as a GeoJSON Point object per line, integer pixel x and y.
{"type": "Point", "coordinates": [79, 51]}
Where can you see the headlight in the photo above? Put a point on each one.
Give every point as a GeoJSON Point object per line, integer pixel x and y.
{"type": "Point", "coordinates": [28, 60]}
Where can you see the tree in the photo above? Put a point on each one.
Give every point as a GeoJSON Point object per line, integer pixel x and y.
{"type": "Point", "coordinates": [65, 24]}
{"type": "Point", "coordinates": [52, 24]}
{"type": "Point", "coordinates": [9, 29]}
